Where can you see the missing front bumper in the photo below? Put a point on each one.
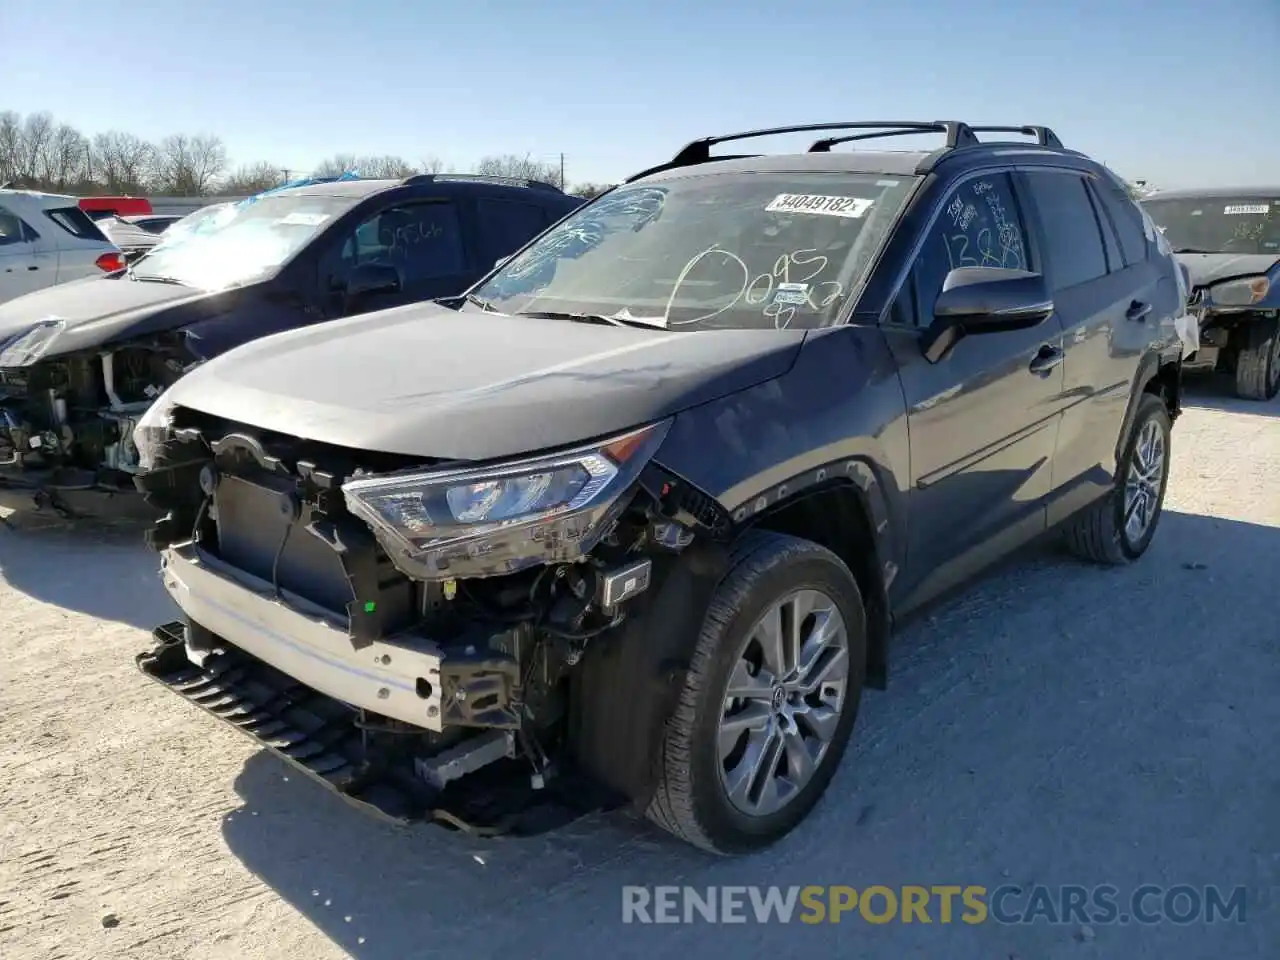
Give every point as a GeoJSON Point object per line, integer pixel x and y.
{"type": "Point", "coordinates": [318, 736]}
{"type": "Point", "coordinates": [398, 679]}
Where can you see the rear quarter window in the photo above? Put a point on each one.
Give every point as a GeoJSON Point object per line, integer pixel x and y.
{"type": "Point", "coordinates": [76, 222]}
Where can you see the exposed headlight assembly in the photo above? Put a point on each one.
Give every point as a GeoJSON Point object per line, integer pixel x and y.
{"type": "Point", "coordinates": [492, 520]}
{"type": "Point", "coordinates": [152, 431]}
{"type": "Point", "coordinates": [1240, 293]}
{"type": "Point", "coordinates": [26, 348]}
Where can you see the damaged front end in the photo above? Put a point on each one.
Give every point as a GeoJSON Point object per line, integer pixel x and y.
{"type": "Point", "coordinates": [407, 633]}
{"type": "Point", "coordinates": [67, 422]}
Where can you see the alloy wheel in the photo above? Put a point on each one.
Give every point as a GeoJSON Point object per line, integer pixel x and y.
{"type": "Point", "coordinates": [1144, 482]}
{"type": "Point", "coordinates": [783, 702]}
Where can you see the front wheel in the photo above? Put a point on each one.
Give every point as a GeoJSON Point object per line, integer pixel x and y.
{"type": "Point", "coordinates": [770, 698]}
{"type": "Point", "coordinates": [1258, 363]}
{"type": "Point", "coordinates": [1119, 528]}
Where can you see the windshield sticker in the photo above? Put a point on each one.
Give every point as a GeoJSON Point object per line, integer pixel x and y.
{"type": "Point", "coordinates": [303, 218]}
{"type": "Point", "coordinates": [852, 207]}
{"type": "Point", "coordinates": [796, 293]}
{"type": "Point", "coordinates": [1243, 208]}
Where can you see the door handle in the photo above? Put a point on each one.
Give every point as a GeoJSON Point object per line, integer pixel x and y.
{"type": "Point", "coordinates": [1137, 311]}
{"type": "Point", "coordinates": [1047, 359]}
{"type": "Point", "coordinates": [33, 268]}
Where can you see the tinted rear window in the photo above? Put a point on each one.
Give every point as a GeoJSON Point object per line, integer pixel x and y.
{"type": "Point", "coordinates": [77, 223]}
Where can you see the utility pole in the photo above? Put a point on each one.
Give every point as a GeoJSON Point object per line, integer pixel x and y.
{"type": "Point", "coordinates": [563, 185]}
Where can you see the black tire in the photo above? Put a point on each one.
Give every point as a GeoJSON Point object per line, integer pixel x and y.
{"type": "Point", "coordinates": [1097, 533]}
{"type": "Point", "coordinates": [690, 801]}
{"type": "Point", "coordinates": [1258, 362]}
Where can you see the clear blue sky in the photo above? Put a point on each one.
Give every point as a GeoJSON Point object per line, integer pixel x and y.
{"type": "Point", "coordinates": [1178, 92]}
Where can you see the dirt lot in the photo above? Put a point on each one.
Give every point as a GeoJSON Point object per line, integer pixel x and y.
{"type": "Point", "coordinates": [1057, 724]}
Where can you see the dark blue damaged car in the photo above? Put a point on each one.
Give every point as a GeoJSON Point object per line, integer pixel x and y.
{"type": "Point", "coordinates": [81, 362]}
{"type": "Point", "coordinates": [631, 522]}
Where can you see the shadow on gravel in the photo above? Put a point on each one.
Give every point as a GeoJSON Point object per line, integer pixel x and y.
{"type": "Point", "coordinates": [1055, 724]}
{"type": "Point", "coordinates": [103, 570]}
{"type": "Point", "coordinates": [1218, 393]}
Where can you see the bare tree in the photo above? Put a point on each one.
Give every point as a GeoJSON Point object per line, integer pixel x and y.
{"type": "Point", "coordinates": [385, 167]}
{"type": "Point", "coordinates": [10, 145]}
{"type": "Point", "coordinates": [37, 152]}
{"type": "Point", "coordinates": [66, 159]}
{"type": "Point", "coordinates": [253, 178]}
{"type": "Point", "coordinates": [37, 132]}
{"type": "Point", "coordinates": [520, 168]}
{"type": "Point", "coordinates": [186, 165]}
{"type": "Point", "coordinates": [589, 190]}
{"type": "Point", "coordinates": [336, 165]}
{"type": "Point", "coordinates": [121, 161]}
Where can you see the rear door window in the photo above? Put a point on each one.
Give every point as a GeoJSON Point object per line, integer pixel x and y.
{"type": "Point", "coordinates": [1074, 248]}
{"type": "Point", "coordinates": [15, 230]}
{"type": "Point", "coordinates": [10, 229]}
{"type": "Point", "coordinates": [507, 225]}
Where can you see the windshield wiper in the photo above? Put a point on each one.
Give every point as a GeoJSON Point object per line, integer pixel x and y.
{"type": "Point", "coordinates": [614, 321]}
{"type": "Point", "coordinates": [480, 302]}
{"type": "Point", "coordinates": [152, 278]}
{"type": "Point", "coordinates": [1192, 250]}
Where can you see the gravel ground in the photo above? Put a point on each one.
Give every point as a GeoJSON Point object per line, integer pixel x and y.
{"type": "Point", "coordinates": [1056, 724]}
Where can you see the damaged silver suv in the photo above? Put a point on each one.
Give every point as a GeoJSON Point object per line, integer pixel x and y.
{"type": "Point", "coordinates": [629, 523]}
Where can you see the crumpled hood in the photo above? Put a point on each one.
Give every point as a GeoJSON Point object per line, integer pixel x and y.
{"type": "Point", "coordinates": [95, 310]}
{"type": "Point", "coordinates": [427, 381]}
{"type": "Point", "coordinates": [1208, 268]}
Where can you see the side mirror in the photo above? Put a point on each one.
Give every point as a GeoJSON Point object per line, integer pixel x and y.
{"type": "Point", "coordinates": [977, 300]}
{"type": "Point", "coordinates": [368, 279]}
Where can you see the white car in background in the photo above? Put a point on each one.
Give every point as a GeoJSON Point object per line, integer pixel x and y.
{"type": "Point", "coordinates": [45, 239]}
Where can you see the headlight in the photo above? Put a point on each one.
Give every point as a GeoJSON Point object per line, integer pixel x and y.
{"type": "Point", "coordinates": [26, 348]}
{"type": "Point", "coordinates": [501, 518]}
{"type": "Point", "coordinates": [1240, 293]}
{"type": "Point", "coordinates": [152, 430]}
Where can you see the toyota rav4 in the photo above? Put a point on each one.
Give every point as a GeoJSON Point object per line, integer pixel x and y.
{"type": "Point", "coordinates": [630, 523]}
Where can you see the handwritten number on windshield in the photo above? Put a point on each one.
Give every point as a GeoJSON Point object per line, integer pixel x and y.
{"type": "Point", "coordinates": [797, 267]}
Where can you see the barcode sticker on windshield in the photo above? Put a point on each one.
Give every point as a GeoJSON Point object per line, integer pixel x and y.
{"type": "Point", "coordinates": [302, 218]}
{"type": "Point", "coordinates": [853, 207]}
{"type": "Point", "coordinates": [1242, 208]}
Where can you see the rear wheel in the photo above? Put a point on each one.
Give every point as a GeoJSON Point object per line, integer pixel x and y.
{"type": "Point", "coordinates": [1119, 528]}
{"type": "Point", "coordinates": [770, 697]}
{"type": "Point", "coordinates": [1258, 363]}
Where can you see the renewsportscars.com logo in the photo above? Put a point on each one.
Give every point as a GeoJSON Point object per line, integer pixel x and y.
{"type": "Point", "coordinates": [940, 903]}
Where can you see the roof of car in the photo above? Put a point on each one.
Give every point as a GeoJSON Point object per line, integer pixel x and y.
{"type": "Point", "coordinates": [961, 147]}
{"type": "Point", "coordinates": [899, 162]}
{"type": "Point", "coordinates": [1205, 193]}
{"type": "Point", "coordinates": [888, 162]}
{"type": "Point", "coordinates": [39, 198]}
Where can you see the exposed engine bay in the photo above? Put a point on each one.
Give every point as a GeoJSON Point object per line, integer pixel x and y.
{"type": "Point", "coordinates": [66, 424]}
{"type": "Point", "coordinates": [445, 696]}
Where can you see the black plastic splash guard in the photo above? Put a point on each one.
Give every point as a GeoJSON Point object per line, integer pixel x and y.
{"type": "Point", "coordinates": [317, 735]}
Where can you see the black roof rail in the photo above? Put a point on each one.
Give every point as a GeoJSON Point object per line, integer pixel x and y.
{"type": "Point", "coordinates": [958, 134]}
{"type": "Point", "coordinates": [699, 151]}
{"type": "Point", "coordinates": [1044, 136]}
{"type": "Point", "coordinates": [479, 178]}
